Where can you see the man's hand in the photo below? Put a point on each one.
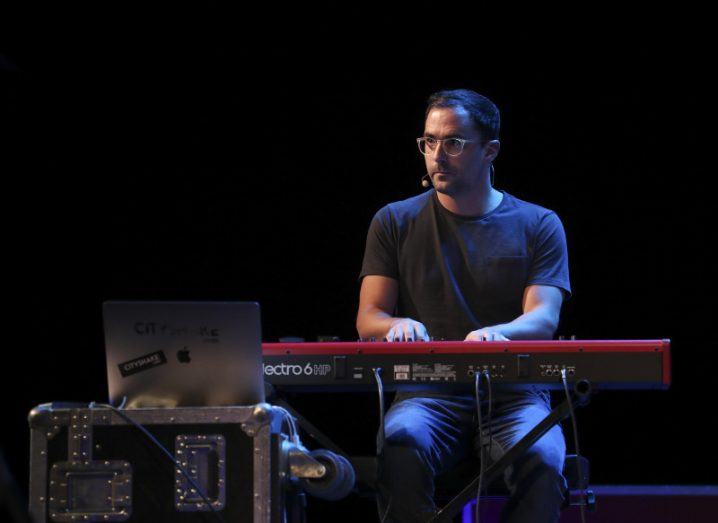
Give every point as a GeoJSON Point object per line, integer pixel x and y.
{"type": "Point", "coordinates": [406, 329]}
{"type": "Point", "coordinates": [487, 334]}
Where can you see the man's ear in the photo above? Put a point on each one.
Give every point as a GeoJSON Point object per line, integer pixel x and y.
{"type": "Point", "coordinates": [491, 150]}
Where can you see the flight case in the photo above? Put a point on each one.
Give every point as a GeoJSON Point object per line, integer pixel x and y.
{"type": "Point", "coordinates": [92, 464]}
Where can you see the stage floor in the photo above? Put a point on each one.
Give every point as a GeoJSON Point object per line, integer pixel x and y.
{"type": "Point", "coordinates": [630, 503]}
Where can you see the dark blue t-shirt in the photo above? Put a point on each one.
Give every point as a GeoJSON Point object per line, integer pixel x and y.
{"type": "Point", "coordinates": [457, 274]}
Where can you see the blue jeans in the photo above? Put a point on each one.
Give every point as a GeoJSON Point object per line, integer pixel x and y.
{"type": "Point", "coordinates": [427, 436]}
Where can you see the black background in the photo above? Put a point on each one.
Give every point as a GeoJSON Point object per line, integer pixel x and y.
{"type": "Point", "coordinates": [226, 156]}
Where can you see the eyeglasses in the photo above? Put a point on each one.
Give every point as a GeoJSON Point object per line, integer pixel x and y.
{"type": "Point", "coordinates": [452, 146]}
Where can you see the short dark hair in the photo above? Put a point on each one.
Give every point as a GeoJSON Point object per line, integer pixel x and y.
{"type": "Point", "coordinates": [483, 112]}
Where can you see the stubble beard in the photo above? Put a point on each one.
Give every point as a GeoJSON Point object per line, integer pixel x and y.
{"type": "Point", "coordinates": [454, 186]}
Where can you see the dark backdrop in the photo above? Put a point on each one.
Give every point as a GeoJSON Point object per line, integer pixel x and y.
{"type": "Point", "coordinates": [164, 165]}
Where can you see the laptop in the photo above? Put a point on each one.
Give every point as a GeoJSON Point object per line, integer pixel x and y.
{"type": "Point", "coordinates": [183, 354]}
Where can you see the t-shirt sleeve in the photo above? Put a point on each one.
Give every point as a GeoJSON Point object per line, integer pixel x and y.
{"type": "Point", "coordinates": [549, 263]}
{"type": "Point", "coordinates": [380, 255]}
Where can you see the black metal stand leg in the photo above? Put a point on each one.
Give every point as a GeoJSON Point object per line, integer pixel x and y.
{"type": "Point", "coordinates": [557, 415]}
{"type": "Point", "coordinates": [310, 429]}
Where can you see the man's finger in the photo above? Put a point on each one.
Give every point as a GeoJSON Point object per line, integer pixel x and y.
{"type": "Point", "coordinates": [417, 331]}
{"type": "Point", "coordinates": [390, 335]}
{"type": "Point", "coordinates": [408, 332]}
{"type": "Point", "coordinates": [497, 336]}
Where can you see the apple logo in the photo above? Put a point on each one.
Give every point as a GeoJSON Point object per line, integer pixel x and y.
{"type": "Point", "coordinates": [183, 356]}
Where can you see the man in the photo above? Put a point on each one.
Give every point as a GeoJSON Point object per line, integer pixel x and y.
{"type": "Point", "coordinates": [464, 261]}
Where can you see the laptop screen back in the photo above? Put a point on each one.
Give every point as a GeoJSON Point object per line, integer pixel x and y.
{"type": "Point", "coordinates": [181, 354]}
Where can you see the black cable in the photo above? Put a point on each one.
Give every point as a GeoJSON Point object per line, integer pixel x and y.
{"type": "Point", "coordinates": [482, 454]}
{"type": "Point", "coordinates": [382, 435]}
{"type": "Point", "coordinates": [491, 403]}
{"type": "Point", "coordinates": [289, 420]}
{"type": "Point", "coordinates": [477, 381]}
{"type": "Point", "coordinates": [482, 465]}
{"type": "Point", "coordinates": [167, 453]}
{"type": "Point", "coordinates": [575, 443]}
{"type": "Point", "coordinates": [380, 389]}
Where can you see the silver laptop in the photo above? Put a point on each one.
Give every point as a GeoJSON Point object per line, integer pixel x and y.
{"type": "Point", "coordinates": [181, 354]}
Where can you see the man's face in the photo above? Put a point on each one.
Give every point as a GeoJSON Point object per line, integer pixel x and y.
{"type": "Point", "coordinates": [453, 175]}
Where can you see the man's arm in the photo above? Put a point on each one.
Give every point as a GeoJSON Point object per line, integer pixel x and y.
{"type": "Point", "coordinates": [377, 300]}
{"type": "Point", "coordinates": [539, 321]}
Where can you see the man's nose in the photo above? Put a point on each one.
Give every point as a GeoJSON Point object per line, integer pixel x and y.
{"type": "Point", "coordinates": [438, 154]}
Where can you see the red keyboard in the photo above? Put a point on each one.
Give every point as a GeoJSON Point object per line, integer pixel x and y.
{"type": "Point", "coordinates": [452, 365]}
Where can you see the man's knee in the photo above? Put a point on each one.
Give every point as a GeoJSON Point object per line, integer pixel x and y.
{"type": "Point", "coordinates": [407, 437]}
{"type": "Point", "coordinates": [406, 450]}
{"type": "Point", "coordinates": [547, 456]}
{"type": "Point", "coordinates": [542, 463]}
{"type": "Point", "coordinates": [550, 450]}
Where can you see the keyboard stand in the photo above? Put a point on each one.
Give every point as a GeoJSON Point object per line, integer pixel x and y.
{"type": "Point", "coordinates": [581, 396]}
